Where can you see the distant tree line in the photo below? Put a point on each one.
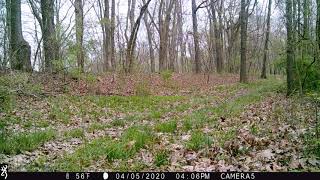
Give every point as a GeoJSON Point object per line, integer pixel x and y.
{"type": "Point", "coordinates": [224, 37]}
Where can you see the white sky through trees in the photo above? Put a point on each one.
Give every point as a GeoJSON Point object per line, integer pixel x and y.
{"type": "Point", "coordinates": [92, 26]}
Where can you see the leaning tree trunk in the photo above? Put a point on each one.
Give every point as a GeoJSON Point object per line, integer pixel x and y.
{"type": "Point", "coordinates": [50, 45]}
{"type": "Point", "coordinates": [20, 49]}
{"type": "Point", "coordinates": [133, 38]}
{"type": "Point", "coordinates": [266, 43]}
{"type": "Point", "coordinates": [79, 33]}
{"type": "Point", "coordinates": [243, 50]}
{"type": "Point", "coordinates": [195, 37]}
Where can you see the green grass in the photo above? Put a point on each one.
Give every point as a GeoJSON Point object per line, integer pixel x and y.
{"type": "Point", "coordinates": [167, 127]}
{"type": "Point", "coordinates": [118, 122]}
{"type": "Point", "coordinates": [132, 140]}
{"type": "Point", "coordinates": [17, 143]}
{"type": "Point", "coordinates": [198, 141]}
{"type": "Point", "coordinates": [223, 136]}
{"type": "Point", "coordinates": [97, 126]}
{"type": "Point", "coordinates": [74, 133]}
{"type": "Point", "coordinates": [187, 124]}
{"type": "Point", "coordinates": [161, 158]}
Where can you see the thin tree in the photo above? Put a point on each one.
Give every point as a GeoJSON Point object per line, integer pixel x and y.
{"type": "Point", "coordinates": [106, 34]}
{"type": "Point", "coordinates": [266, 43]}
{"type": "Point", "coordinates": [243, 49]}
{"type": "Point", "coordinates": [133, 38]}
{"type": "Point", "coordinates": [318, 23]}
{"type": "Point", "coordinates": [79, 33]}
{"type": "Point", "coordinates": [195, 36]}
{"type": "Point", "coordinates": [149, 36]}
{"type": "Point", "coordinates": [289, 23]}
{"type": "Point", "coordinates": [112, 34]}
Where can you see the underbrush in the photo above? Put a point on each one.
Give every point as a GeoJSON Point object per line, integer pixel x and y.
{"type": "Point", "coordinates": [16, 84]}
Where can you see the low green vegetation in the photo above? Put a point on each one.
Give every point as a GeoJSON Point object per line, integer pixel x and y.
{"type": "Point", "coordinates": [17, 143]}
{"type": "Point", "coordinates": [131, 141]}
{"type": "Point", "coordinates": [161, 158]}
{"type": "Point", "coordinates": [167, 127]}
{"type": "Point", "coordinates": [198, 140]}
{"type": "Point", "coordinates": [74, 133]}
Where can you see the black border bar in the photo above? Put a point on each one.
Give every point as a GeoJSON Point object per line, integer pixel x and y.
{"type": "Point", "coordinates": [162, 175]}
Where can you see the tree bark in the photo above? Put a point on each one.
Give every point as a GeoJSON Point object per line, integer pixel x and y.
{"type": "Point", "coordinates": [49, 35]}
{"type": "Point", "coordinates": [195, 37]}
{"type": "Point", "coordinates": [20, 49]}
{"type": "Point", "coordinates": [318, 23]}
{"type": "Point", "coordinates": [106, 34]}
{"type": "Point", "coordinates": [164, 32]}
{"type": "Point", "coordinates": [79, 33]}
{"type": "Point", "coordinates": [289, 23]}
{"type": "Point", "coordinates": [149, 36]}
{"type": "Point", "coordinates": [182, 43]}
{"type": "Point", "coordinates": [218, 39]}
{"type": "Point", "coordinates": [133, 38]}
{"type": "Point", "coordinates": [112, 34]}
{"type": "Point", "coordinates": [243, 49]}
{"type": "Point", "coordinates": [266, 43]}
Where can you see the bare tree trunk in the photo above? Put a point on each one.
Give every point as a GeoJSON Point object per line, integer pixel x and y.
{"type": "Point", "coordinates": [243, 50]}
{"type": "Point", "coordinates": [133, 38]}
{"type": "Point", "coordinates": [149, 35]}
{"type": "Point", "coordinates": [164, 32]}
{"type": "Point", "coordinates": [4, 42]}
{"type": "Point", "coordinates": [79, 33]}
{"type": "Point", "coordinates": [19, 47]}
{"type": "Point", "coordinates": [266, 48]}
{"type": "Point", "coordinates": [218, 37]}
{"type": "Point", "coordinates": [318, 23]}
{"type": "Point", "coordinates": [49, 35]}
{"type": "Point", "coordinates": [181, 35]}
{"type": "Point", "coordinates": [112, 34]}
{"type": "Point", "coordinates": [106, 34]}
{"type": "Point", "coordinates": [195, 37]}
{"type": "Point", "coordinates": [173, 41]}
{"type": "Point", "coordinates": [289, 23]}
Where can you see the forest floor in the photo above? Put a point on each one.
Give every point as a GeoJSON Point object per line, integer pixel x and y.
{"type": "Point", "coordinates": [165, 122]}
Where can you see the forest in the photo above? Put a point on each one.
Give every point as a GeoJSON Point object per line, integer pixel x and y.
{"type": "Point", "coordinates": [160, 85]}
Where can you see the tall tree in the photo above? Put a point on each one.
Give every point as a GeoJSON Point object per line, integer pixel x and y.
{"type": "Point", "coordinates": [20, 50]}
{"type": "Point", "coordinates": [165, 10]}
{"type": "Point", "coordinates": [112, 34]}
{"type": "Point", "coordinates": [195, 36]}
{"type": "Point", "coordinates": [266, 43]}
{"type": "Point", "coordinates": [106, 34]}
{"type": "Point", "coordinates": [318, 23]}
{"type": "Point", "coordinates": [50, 44]}
{"type": "Point", "coordinates": [133, 38]}
{"type": "Point", "coordinates": [3, 43]}
{"type": "Point", "coordinates": [79, 33]}
{"type": "Point", "coordinates": [243, 49]}
{"type": "Point", "coordinates": [290, 51]}
{"type": "Point", "coordinates": [149, 36]}
{"type": "Point", "coordinates": [182, 43]}
{"type": "Point", "coordinates": [217, 37]}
